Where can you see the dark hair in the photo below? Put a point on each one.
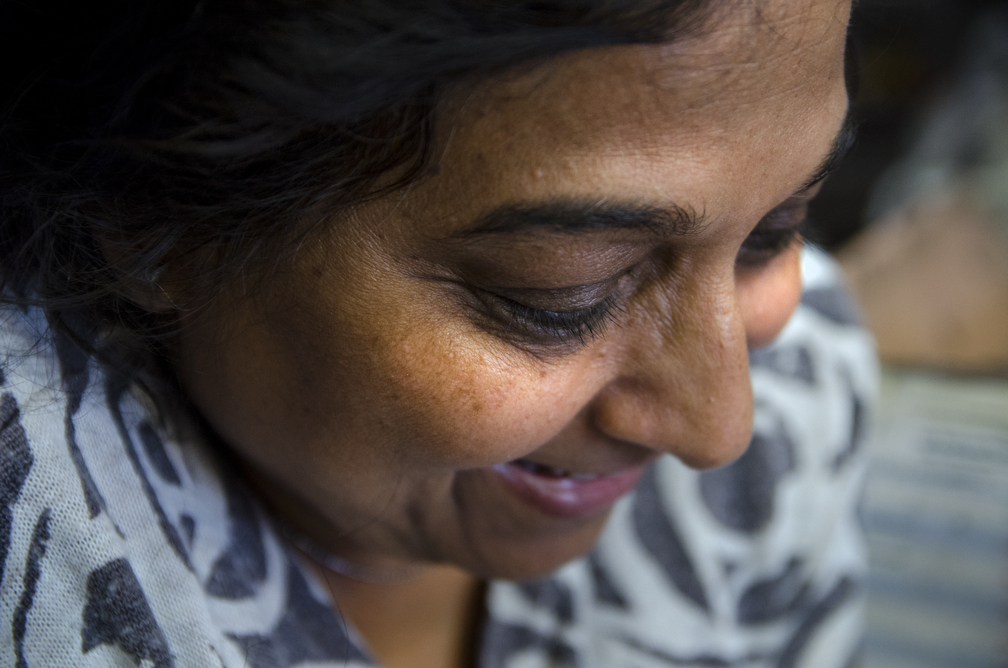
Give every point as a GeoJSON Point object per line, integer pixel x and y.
{"type": "Point", "coordinates": [214, 134]}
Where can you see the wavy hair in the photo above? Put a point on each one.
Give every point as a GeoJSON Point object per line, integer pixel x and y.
{"type": "Point", "coordinates": [214, 135]}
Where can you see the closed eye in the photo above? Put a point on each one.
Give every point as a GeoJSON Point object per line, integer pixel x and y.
{"type": "Point", "coordinates": [774, 234]}
{"type": "Point", "coordinates": [574, 325]}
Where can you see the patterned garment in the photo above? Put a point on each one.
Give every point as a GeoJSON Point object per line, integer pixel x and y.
{"type": "Point", "coordinates": [125, 541]}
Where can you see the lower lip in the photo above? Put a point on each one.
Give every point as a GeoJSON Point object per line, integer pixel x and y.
{"type": "Point", "coordinates": [567, 497]}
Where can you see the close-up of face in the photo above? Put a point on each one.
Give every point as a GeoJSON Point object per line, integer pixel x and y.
{"type": "Point", "coordinates": [472, 369]}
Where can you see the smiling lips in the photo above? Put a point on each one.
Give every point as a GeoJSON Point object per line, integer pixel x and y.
{"type": "Point", "coordinates": [564, 494]}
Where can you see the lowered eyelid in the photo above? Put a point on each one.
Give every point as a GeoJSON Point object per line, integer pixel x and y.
{"type": "Point", "coordinates": [517, 266]}
{"type": "Point", "coordinates": [575, 296]}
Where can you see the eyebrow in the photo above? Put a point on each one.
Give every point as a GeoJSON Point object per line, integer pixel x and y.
{"type": "Point", "coordinates": [576, 216]}
{"type": "Point", "coordinates": [561, 216]}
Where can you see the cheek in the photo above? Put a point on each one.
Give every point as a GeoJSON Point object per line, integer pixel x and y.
{"type": "Point", "coordinates": [767, 296]}
{"type": "Point", "coordinates": [470, 405]}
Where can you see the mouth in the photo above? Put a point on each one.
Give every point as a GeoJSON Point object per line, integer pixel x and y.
{"type": "Point", "coordinates": [560, 493]}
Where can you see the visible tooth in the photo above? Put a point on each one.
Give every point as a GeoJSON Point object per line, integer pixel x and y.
{"type": "Point", "coordinates": [526, 465]}
{"type": "Point", "coordinates": [551, 472]}
{"type": "Point", "coordinates": [544, 470]}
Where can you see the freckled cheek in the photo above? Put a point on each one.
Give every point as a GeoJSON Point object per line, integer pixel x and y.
{"type": "Point", "coordinates": [768, 296]}
{"type": "Point", "coordinates": [471, 409]}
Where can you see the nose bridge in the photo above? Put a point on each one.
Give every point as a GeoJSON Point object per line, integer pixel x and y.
{"type": "Point", "coordinates": [683, 383]}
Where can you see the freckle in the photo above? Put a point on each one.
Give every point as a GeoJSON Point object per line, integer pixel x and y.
{"type": "Point", "coordinates": [542, 373]}
{"type": "Point", "coordinates": [477, 407]}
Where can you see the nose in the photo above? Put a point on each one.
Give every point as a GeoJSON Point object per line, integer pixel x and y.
{"type": "Point", "coordinates": [683, 385]}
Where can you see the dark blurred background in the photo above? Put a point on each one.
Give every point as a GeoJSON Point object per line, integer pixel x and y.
{"type": "Point", "coordinates": [906, 53]}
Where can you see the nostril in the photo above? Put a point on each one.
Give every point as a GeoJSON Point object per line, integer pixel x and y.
{"type": "Point", "coordinates": [713, 456]}
{"type": "Point", "coordinates": [712, 437]}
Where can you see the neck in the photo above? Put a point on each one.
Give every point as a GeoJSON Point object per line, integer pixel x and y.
{"type": "Point", "coordinates": [427, 621]}
{"type": "Point", "coordinates": [411, 616]}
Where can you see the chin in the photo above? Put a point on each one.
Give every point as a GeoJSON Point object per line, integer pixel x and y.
{"type": "Point", "coordinates": [532, 555]}
{"type": "Point", "coordinates": [531, 562]}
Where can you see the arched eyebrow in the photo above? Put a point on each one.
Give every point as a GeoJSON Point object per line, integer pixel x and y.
{"type": "Point", "coordinates": [575, 217]}
{"type": "Point", "coordinates": [558, 216]}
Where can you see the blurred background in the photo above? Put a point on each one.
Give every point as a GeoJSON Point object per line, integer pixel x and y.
{"type": "Point", "coordinates": [918, 217]}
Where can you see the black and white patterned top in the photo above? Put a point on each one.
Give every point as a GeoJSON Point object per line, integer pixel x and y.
{"type": "Point", "coordinates": [125, 542]}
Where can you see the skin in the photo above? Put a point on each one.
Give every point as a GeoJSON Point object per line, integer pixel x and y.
{"type": "Point", "coordinates": [369, 388]}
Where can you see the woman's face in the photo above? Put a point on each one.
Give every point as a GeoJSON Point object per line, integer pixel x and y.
{"type": "Point", "coordinates": [473, 369]}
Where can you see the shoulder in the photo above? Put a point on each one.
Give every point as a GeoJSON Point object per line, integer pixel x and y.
{"type": "Point", "coordinates": [124, 537]}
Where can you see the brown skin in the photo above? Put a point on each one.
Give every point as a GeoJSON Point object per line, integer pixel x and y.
{"type": "Point", "coordinates": [427, 621]}
{"type": "Point", "coordinates": [369, 388]}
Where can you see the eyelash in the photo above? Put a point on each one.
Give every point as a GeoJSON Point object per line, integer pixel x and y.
{"type": "Point", "coordinates": [763, 244]}
{"type": "Point", "coordinates": [574, 325]}
{"type": "Point", "coordinates": [767, 241]}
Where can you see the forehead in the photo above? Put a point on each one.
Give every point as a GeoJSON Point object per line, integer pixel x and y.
{"type": "Point", "coordinates": [752, 101]}
{"type": "Point", "coordinates": [723, 67]}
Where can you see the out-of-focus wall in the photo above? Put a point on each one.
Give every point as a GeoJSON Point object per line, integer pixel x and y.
{"type": "Point", "coordinates": [932, 266]}
{"type": "Point", "coordinates": [905, 52]}
{"type": "Point", "coordinates": [919, 219]}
